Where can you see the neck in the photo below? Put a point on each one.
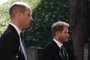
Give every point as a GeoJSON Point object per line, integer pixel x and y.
{"type": "Point", "coordinates": [17, 24]}
{"type": "Point", "coordinates": [58, 40]}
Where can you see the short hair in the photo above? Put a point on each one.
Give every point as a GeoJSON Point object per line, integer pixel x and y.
{"type": "Point", "coordinates": [58, 26]}
{"type": "Point", "coordinates": [18, 6]}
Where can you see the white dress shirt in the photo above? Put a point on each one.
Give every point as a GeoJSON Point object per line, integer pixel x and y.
{"type": "Point", "coordinates": [58, 43]}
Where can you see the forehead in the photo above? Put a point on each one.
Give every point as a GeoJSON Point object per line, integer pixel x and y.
{"type": "Point", "coordinates": [28, 11]}
{"type": "Point", "coordinates": [65, 28]}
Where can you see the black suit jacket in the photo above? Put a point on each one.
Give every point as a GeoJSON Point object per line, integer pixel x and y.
{"type": "Point", "coordinates": [9, 45]}
{"type": "Point", "coordinates": [52, 52]}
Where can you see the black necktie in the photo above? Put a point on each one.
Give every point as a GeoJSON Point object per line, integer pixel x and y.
{"type": "Point", "coordinates": [22, 46]}
{"type": "Point", "coordinates": [64, 53]}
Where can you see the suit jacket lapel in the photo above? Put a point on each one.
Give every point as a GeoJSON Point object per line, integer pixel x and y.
{"type": "Point", "coordinates": [58, 49]}
{"type": "Point", "coordinates": [13, 30]}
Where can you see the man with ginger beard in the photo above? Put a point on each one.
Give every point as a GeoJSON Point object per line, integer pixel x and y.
{"type": "Point", "coordinates": [55, 50]}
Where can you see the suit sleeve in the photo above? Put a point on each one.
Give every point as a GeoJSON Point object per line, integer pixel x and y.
{"type": "Point", "coordinates": [47, 54]}
{"type": "Point", "coordinates": [7, 47]}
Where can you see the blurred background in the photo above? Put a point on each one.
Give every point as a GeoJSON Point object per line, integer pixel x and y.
{"type": "Point", "coordinates": [45, 13]}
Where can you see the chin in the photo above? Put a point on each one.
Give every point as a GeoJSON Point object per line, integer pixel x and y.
{"type": "Point", "coordinates": [66, 40]}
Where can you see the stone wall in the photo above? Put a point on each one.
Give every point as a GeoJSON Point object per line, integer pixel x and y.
{"type": "Point", "coordinates": [34, 53]}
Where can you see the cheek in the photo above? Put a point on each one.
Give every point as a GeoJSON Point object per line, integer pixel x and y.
{"type": "Point", "coordinates": [64, 36]}
{"type": "Point", "coordinates": [27, 19]}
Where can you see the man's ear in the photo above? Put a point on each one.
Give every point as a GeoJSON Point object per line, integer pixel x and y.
{"type": "Point", "coordinates": [21, 14]}
{"type": "Point", "coordinates": [17, 14]}
{"type": "Point", "coordinates": [57, 33]}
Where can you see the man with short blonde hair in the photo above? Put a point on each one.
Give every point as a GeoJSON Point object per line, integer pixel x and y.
{"type": "Point", "coordinates": [11, 45]}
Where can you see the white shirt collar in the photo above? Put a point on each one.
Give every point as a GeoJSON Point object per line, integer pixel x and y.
{"type": "Point", "coordinates": [58, 43]}
{"type": "Point", "coordinates": [17, 29]}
